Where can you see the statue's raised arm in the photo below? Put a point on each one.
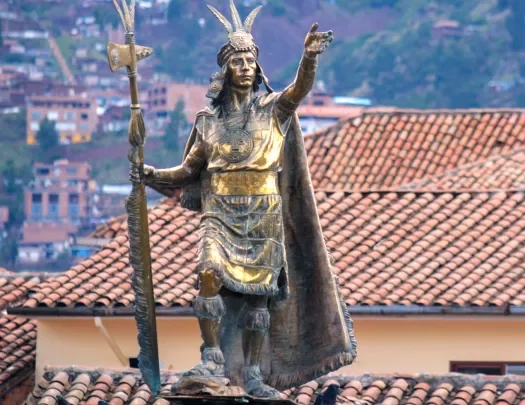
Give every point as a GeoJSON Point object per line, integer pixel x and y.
{"type": "Point", "coordinates": [314, 44]}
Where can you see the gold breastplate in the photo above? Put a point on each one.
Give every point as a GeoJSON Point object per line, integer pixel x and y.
{"type": "Point", "coordinates": [233, 146]}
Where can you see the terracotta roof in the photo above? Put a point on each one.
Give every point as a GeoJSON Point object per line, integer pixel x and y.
{"type": "Point", "coordinates": [41, 233]}
{"type": "Point", "coordinates": [390, 248]}
{"type": "Point", "coordinates": [17, 350]}
{"type": "Point", "coordinates": [502, 172]}
{"type": "Point", "coordinates": [109, 228]}
{"type": "Point", "coordinates": [125, 387]}
{"type": "Point", "coordinates": [14, 287]}
{"type": "Point", "coordinates": [17, 334]}
{"type": "Point", "coordinates": [388, 148]}
{"type": "Point", "coordinates": [4, 214]}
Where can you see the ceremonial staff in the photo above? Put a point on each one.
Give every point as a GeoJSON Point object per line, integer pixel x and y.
{"type": "Point", "coordinates": [119, 56]}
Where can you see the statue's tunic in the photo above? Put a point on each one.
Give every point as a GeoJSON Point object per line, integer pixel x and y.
{"type": "Point", "coordinates": [241, 231]}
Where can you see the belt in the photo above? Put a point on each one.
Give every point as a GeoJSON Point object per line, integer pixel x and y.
{"type": "Point", "coordinates": [244, 183]}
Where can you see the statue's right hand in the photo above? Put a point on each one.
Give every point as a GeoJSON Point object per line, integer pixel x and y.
{"type": "Point", "coordinates": [149, 174]}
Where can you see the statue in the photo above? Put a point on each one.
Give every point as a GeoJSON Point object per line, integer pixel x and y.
{"type": "Point", "coordinates": [269, 309]}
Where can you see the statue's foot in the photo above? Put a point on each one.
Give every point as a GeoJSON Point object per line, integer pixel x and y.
{"type": "Point", "coordinates": [212, 364]}
{"type": "Point", "coordinates": [257, 389]}
{"type": "Point", "coordinates": [206, 369]}
{"type": "Point", "coordinates": [254, 386]}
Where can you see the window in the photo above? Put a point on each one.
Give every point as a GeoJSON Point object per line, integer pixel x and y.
{"type": "Point", "coordinates": [36, 206]}
{"type": "Point", "coordinates": [35, 126]}
{"type": "Point", "coordinates": [83, 126]}
{"type": "Point", "coordinates": [69, 115]}
{"type": "Point", "coordinates": [73, 209]}
{"type": "Point", "coordinates": [163, 101]}
{"type": "Point", "coordinates": [35, 115]}
{"type": "Point", "coordinates": [488, 368]}
{"type": "Point", "coordinates": [42, 171]}
{"type": "Point", "coordinates": [84, 116]}
{"type": "Point", "coordinates": [71, 170]}
{"type": "Point", "coordinates": [318, 102]}
{"type": "Point", "coordinates": [163, 90]}
{"type": "Point", "coordinates": [66, 126]}
{"type": "Point", "coordinates": [52, 115]}
{"type": "Point", "coordinates": [53, 206]}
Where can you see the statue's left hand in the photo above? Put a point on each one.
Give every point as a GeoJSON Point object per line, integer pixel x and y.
{"type": "Point", "coordinates": [316, 42]}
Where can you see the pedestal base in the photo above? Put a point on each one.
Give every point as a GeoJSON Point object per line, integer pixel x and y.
{"type": "Point", "coordinates": [196, 390]}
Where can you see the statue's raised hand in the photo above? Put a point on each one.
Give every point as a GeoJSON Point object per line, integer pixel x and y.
{"type": "Point", "coordinates": [316, 42]}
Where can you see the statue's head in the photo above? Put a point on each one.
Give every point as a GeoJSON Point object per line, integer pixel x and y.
{"type": "Point", "coordinates": [237, 58]}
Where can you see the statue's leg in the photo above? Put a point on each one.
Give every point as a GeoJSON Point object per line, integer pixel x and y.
{"type": "Point", "coordinates": [255, 320]}
{"type": "Point", "coordinates": [209, 309]}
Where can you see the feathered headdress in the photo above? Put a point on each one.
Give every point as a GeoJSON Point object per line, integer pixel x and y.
{"type": "Point", "coordinates": [240, 39]}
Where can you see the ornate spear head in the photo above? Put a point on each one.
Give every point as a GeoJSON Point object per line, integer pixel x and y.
{"type": "Point", "coordinates": [129, 54]}
{"type": "Point", "coordinates": [120, 55]}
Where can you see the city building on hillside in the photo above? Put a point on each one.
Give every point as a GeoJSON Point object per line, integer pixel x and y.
{"type": "Point", "coordinates": [75, 116]}
{"type": "Point", "coordinates": [447, 28]}
{"type": "Point", "coordinates": [27, 29]}
{"type": "Point", "coordinates": [61, 193]}
{"type": "Point", "coordinates": [163, 97]}
{"type": "Point", "coordinates": [44, 242]}
{"type": "Point", "coordinates": [320, 110]}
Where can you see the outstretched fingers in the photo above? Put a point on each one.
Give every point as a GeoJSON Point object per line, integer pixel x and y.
{"type": "Point", "coordinates": [314, 27]}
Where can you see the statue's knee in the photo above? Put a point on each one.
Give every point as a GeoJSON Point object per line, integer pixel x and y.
{"type": "Point", "coordinates": [255, 314]}
{"type": "Point", "coordinates": [209, 283]}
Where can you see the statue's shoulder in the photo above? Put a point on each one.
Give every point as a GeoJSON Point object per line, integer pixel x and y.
{"type": "Point", "coordinates": [208, 112]}
{"type": "Point", "coordinates": [268, 99]}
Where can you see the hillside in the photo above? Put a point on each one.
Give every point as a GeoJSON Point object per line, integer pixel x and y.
{"type": "Point", "coordinates": [412, 64]}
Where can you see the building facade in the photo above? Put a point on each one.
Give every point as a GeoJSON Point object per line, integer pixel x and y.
{"type": "Point", "coordinates": [75, 117]}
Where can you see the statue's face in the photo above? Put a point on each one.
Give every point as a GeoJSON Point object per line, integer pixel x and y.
{"type": "Point", "coordinates": [243, 68]}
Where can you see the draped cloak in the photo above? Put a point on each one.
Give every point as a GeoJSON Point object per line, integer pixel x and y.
{"type": "Point", "coordinates": [311, 332]}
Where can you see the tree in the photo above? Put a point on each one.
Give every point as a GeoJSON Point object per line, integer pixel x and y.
{"type": "Point", "coordinates": [13, 194]}
{"type": "Point", "coordinates": [175, 127]}
{"type": "Point", "coordinates": [47, 138]}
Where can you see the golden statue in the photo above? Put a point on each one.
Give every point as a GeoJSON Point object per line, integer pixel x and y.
{"type": "Point", "coordinates": [269, 310]}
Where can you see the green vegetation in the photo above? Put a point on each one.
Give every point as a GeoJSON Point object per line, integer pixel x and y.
{"type": "Point", "coordinates": [409, 65]}
{"type": "Point", "coordinates": [13, 194]}
{"type": "Point", "coordinates": [175, 127]}
{"type": "Point", "coordinates": [48, 141]}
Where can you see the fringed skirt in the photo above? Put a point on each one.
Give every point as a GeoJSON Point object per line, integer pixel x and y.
{"type": "Point", "coordinates": [242, 239]}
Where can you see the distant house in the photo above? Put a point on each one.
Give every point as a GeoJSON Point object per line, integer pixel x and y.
{"type": "Point", "coordinates": [114, 119]}
{"type": "Point", "coordinates": [23, 29]}
{"type": "Point", "coordinates": [447, 28]}
{"type": "Point", "coordinates": [320, 110]}
{"type": "Point", "coordinates": [75, 116]}
{"type": "Point", "coordinates": [62, 193]}
{"type": "Point", "coordinates": [42, 242]}
{"type": "Point", "coordinates": [163, 97]}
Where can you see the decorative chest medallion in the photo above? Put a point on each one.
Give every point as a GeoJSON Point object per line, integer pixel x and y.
{"type": "Point", "coordinates": [235, 145]}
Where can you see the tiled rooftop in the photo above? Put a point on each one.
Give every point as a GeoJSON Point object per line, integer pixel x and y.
{"type": "Point", "coordinates": [390, 248]}
{"type": "Point", "coordinates": [501, 172]}
{"type": "Point", "coordinates": [84, 386]}
{"type": "Point", "coordinates": [15, 286]}
{"type": "Point", "coordinates": [17, 348]}
{"type": "Point", "coordinates": [17, 334]}
{"type": "Point", "coordinates": [385, 149]}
